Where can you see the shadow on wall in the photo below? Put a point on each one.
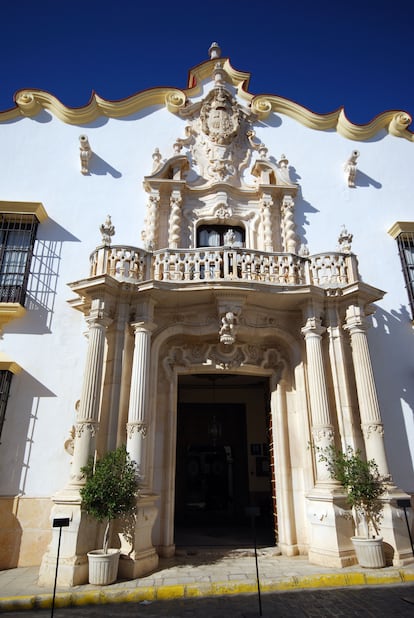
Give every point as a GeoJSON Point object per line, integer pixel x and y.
{"type": "Point", "coordinates": [19, 430]}
{"type": "Point", "coordinates": [43, 280]}
{"type": "Point", "coordinates": [302, 207]}
{"type": "Point", "coordinates": [395, 387]}
{"type": "Point", "coordinates": [10, 533]}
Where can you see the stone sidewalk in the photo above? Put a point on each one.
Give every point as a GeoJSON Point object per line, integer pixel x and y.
{"type": "Point", "coordinates": [202, 573]}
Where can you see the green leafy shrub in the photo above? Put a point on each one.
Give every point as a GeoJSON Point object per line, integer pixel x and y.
{"type": "Point", "coordinates": [110, 488]}
{"type": "Point", "coordinates": [362, 481]}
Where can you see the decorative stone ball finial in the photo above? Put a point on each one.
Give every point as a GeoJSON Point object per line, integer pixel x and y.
{"type": "Point", "coordinates": [214, 51]}
{"type": "Point", "coordinates": [107, 230]}
{"type": "Point", "coordinates": [156, 157]}
{"type": "Point", "coordinates": [345, 240]}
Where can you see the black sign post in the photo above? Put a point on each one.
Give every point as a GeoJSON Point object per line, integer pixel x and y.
{"type": "Point", "coordinates": [59, 522]}
{"type": "Point", "coordinates": [404, 504]}
{"type": "Point", "coordinates": [254, 512]}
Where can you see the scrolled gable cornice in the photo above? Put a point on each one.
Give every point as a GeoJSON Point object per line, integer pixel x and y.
{"type": "Point", "coordinates": [29, 103]}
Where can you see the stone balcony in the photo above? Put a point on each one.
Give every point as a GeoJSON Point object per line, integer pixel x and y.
{"type": "Point", "coordinates": [222, 264]}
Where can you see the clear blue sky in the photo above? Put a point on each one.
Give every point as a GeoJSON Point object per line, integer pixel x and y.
{"type": "Point", "coordinates": [325, 54]}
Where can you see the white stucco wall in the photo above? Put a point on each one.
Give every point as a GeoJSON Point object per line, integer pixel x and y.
{"type": "Point", "coordinates": [39, 161]}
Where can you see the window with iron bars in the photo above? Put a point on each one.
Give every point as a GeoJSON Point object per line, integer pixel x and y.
{"type": "Point", "coordinates": [5, 381]}
{"type": "Point", "coordinates": [405, 242]}
{"type": "Point", "coordinates": [17, 238]}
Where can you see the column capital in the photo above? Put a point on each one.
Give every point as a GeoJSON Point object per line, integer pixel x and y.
{"type": "Point", "coordinates": [139, 427]}
{"type": "Point", "coordinates": [370, 429]}
{"type": "Point", "coordinates": [98, 315]}
{"type": "Point", "coordinates": [356, 320]}
{"type": "Point", "coordinates": [313, 326]}
{"type": "Point", "coordinates": [98, 320]}
{"type": "Point", "coordinates": [142, 326]}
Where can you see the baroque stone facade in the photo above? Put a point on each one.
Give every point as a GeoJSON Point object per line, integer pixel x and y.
{"type": "Point", "coordinates": [224, 296]}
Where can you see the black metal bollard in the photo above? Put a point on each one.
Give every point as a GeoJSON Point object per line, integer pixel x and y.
{"type": "Point", "coordinates": [253, 512]}
{"type": "Point", "coordinates": [60, 522]}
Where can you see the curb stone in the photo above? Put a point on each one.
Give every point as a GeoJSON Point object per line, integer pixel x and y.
{"type": "Point", "coordinates": [180, 591]}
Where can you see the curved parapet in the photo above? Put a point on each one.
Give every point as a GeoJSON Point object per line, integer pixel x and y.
{"type": "Point", "coordinates": [394, 121]}
{"type": "Point", "coordinates": [29, 103]}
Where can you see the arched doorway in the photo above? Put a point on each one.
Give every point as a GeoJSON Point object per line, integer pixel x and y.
{"type": "Point", "coordinates": [223, 472]}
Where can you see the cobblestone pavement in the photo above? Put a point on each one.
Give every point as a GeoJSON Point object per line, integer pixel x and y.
{"type": "Point", "coordinates": [388, 601]}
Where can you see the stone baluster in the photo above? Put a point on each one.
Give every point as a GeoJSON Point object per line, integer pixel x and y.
{"type": "Point", "coordinates": [371, 422]}
{"type": "Point", "coordinates": [137, 426]}
{"type": "Point", "coordinates": [322, 429]}
{"type": "Point", "coordinates": [88, 412]}
{"type": "Point", "coordinates": [174, 227]}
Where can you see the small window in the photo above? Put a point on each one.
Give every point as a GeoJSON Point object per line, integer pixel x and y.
{"type": "Point", "coordinates": [5, 381]}
{"type": "Point", "coordinates": [404, 235]}
{"type": "Point", "coordinates": [17, 237]}
{"type": "Point", "coordinates": [220, 236]}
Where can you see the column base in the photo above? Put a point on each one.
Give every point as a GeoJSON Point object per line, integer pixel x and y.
{"type": "Point", "coordinates": [139, 565]}
{"type": "Point", "coordinates": [73, 572]}
{"type": "Point", "coordinates": [288, 550]}
{"type": "Point", "coordinates": [398, 550]}
{"type": "Point", "coordinates": [331, 529]}
{"type": "Point", "coordinates": [138, 555]}
{"type": "Point", "coordinates": [75, 541]}
{"type": "Point", "coordinates": [166, 551]}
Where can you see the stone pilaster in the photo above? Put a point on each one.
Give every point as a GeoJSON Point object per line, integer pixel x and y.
{"type": "Point", "coordinates": [322, 429]}
{"type": "Point", "coordinates": [349, 434]}
{"type": "Point", "coordinates": [328, 514]}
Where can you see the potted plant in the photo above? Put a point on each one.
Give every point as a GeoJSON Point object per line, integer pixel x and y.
{"type": "Point", "coordinates": [110, 490]}
{"type": "Point", "coordinates": [364, 487]}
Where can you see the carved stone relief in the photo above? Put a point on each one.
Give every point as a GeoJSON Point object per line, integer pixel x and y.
{"type": "Point", "coordinates": [220, 356]}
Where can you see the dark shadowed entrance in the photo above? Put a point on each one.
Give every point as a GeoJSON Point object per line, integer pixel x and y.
{"type": "Point", "coordinates": [221, 449]}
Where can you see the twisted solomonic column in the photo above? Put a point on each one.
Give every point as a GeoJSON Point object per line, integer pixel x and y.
{"type": "Point", "coordinates": [267, 204]}
{"type": "Point", "coordinates": [175, 220]}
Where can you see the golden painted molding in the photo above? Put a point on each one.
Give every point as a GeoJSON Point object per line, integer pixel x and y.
{"type": "Point", "coordinates": [395, 122]}
{"type": "Point", "coordinates": [8, 365]}
{"type": "Point", "coordinates": [10, 312]}
{"type": "Point", "coordinates": [401, 227]}
{"type": "Point", "coordinates": [29, 103]}
{"type": "Point", "coordinates": [24, 208]}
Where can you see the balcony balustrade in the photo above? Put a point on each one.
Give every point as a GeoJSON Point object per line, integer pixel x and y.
{"type": "Point", "coordinates": [221, 264]}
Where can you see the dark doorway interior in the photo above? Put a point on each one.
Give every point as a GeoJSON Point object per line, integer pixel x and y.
{"type": "Point", "coordinates": [212, 479]}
